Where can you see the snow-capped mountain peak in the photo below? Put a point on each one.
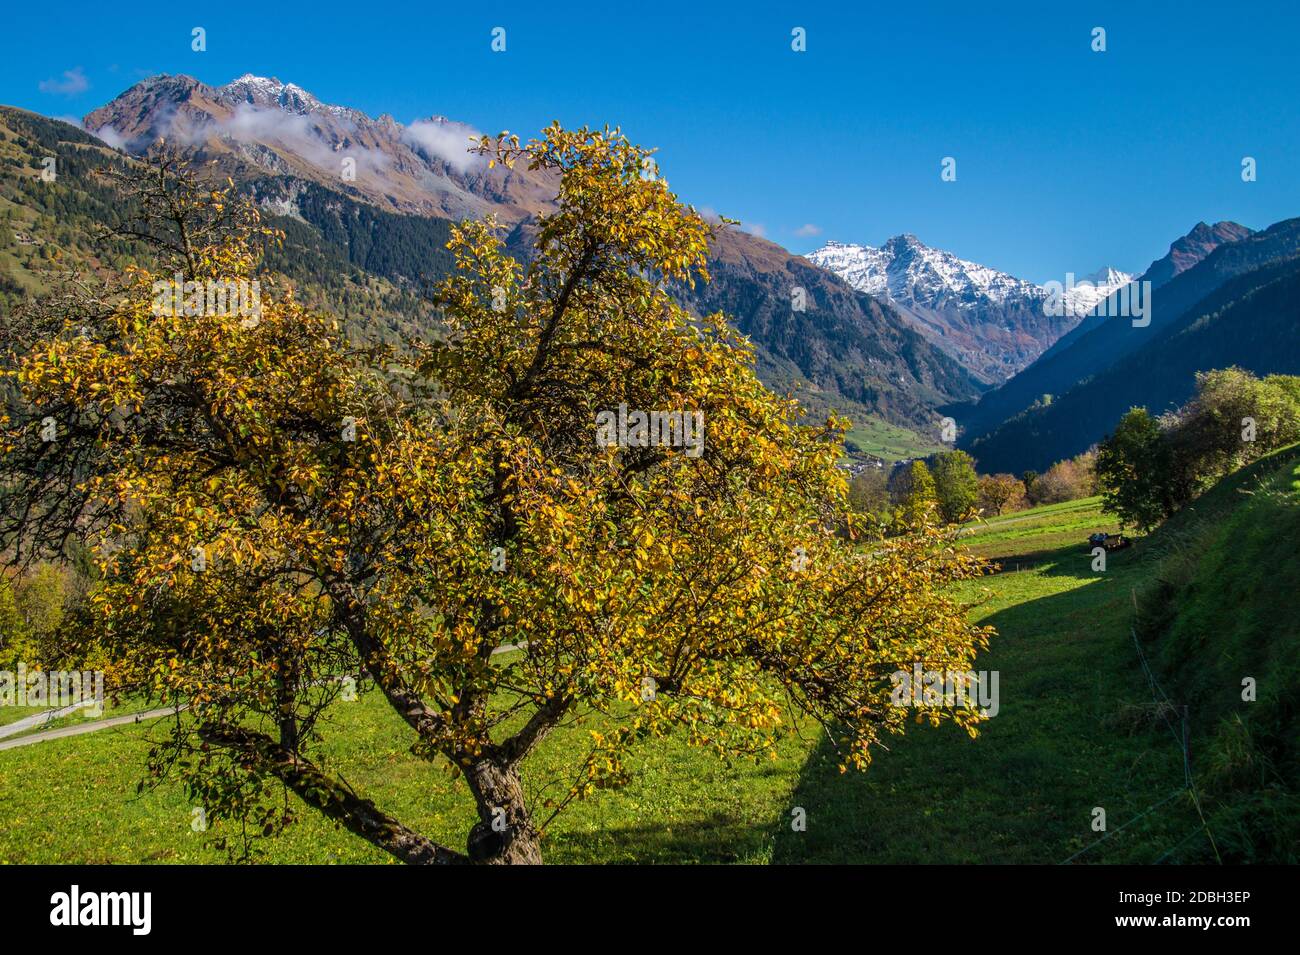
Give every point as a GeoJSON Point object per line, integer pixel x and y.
{"type": "Point", "coordinates": [423, 168]}
{"type": "Point", "coordinates": [909, 272]}
{"type": "Point", "coordinates": [1082, 295]}
{"type": "Point", "coordinates": [271, 93]}
{"type": "Point", "coordinates": [993, 322]}
{"type": "Point", "coordinates": [1109, 276]}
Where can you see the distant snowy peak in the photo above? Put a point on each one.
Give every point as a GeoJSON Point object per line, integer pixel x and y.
{"type": "Point", "coordinates": [864, 268]}
{"type": "Point", "coordinates": [907, 271]}
{"type": "Point", "coordinates": [1110, 276]}
{"type": "Point", "coordinates": [1088, 292]}
{"type": "Point", "coordinates": [993, 323]}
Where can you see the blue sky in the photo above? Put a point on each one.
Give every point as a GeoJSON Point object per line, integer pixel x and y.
{"type": "Point", "coordinates": [1066, 159]}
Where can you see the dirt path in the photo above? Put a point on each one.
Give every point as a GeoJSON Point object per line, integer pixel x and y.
{"type": "Point", "coordinates": [65, 731]}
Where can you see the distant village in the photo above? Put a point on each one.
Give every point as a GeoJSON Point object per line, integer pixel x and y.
{"type": "Point", "coordinates": [865, 462]}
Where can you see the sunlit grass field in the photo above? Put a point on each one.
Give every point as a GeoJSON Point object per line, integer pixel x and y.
{"type": "Point", "coordinates": [1040, 530]}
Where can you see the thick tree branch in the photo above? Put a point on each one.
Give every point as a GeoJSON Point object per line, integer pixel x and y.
{"type": "Point", "coordinates": [426, 721]}
{"type": "Point", "coordinates": [535, 730]}
{"type": "Point", "coordinates": [326, 794]}
{"type": "Point", "coordinates": [520, 390]}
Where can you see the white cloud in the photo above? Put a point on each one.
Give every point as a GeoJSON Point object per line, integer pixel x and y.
{"type": "Point", "coordinates": [711, 215]}
{"type": "Point", "coordinates": [443, 140]}
{"type": "Point", "coordinates": [111, 137]}
{"type": "Point", "coordinates": [315, 137]}
{"type": "Point", "coordinates": [808, 230]}
{"type": "Point", "coordinates": [74, 82]}
{"type": "Point", "coordinates": [294, 131]}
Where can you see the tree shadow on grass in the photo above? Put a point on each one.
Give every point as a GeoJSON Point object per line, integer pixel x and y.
{"type": "Point", "coordinates": [1071, 560]}
{"type": "Point", "coordinates": [1024, 790]}
{"type": "Point", "coordinates": [706, 838]}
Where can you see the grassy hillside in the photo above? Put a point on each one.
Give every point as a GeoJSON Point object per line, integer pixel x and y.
{"type": "Point", "coordinates": [1021, 792]}
{"type": "Point", "coordinates": [49, 228]}
{"type": "Point", "coordinates": [53, 231]}
{"type": "Point", "coordinates": [1224, 607]}
{"type": "Point", "coordinates": [889, 442]}
{"type": "Point", "coordinates": [1079, 728]}
{"type": "Point", "coordinates": [1065, 742]}
{"type": "Point", "coordinates": [75, 800]}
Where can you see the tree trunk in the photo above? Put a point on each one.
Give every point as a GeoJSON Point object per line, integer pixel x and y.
{"type": "Point", "coordinates": [504, 834]}
{"type": "Point", "coordinates": [286, 718]}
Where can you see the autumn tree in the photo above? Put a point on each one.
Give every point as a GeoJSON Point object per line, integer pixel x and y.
{"type": "Point", "coordinates": [999, 493]}
{"type": "Point", "coordinates": [275, 512]}
{"type": "Point", "coordinates": [1235, 418]}
{"type": "Point", "coordinates": [16, 644]}
{"type": "Point", "coordinates": [1066, 480]}
{"type": "Point", "coordinates": [1151, 467]}
{"type": "Point", "coordinates": [32, 606]}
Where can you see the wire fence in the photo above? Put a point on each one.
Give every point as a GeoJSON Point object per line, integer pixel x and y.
{"type": "Point", "coordinates": [1181, 735]}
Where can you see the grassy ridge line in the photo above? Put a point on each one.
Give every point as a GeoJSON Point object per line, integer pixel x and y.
{"type": "Point", "coordinates": [1224, 607]}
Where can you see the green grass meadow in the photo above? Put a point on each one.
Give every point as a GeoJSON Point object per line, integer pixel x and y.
{"type": "Point", "coordinates": [890, 442]}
